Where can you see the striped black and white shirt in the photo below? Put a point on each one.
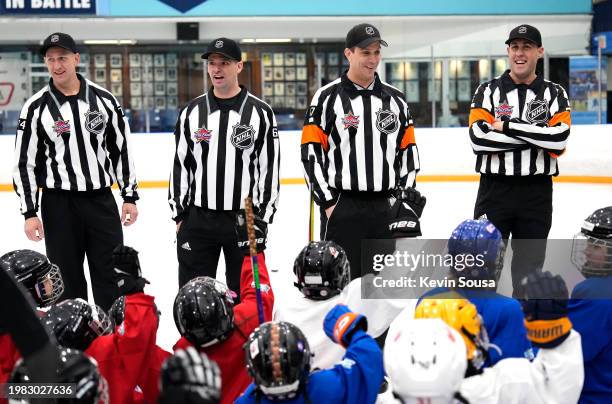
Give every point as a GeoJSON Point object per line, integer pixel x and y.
{"type": "Point", "coordinates": [536, 126]}
{"type": "Point", "coordinates": [224, 155]}
{"type": "Point", "coordinates": [358, 139]}
{"type": "Point", "coordinates": [72, 143]}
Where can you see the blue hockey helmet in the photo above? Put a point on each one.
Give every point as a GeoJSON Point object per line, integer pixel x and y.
{"type": "Point", "coordinates": [478, 250]}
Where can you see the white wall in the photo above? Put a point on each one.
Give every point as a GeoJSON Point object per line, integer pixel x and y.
{"type": "Point", "coordinates": [443, 151]}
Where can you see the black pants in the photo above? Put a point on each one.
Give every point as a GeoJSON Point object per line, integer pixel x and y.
{"type": "Point", "coordinates": [521, 207]}
{"type": "Point", "coordinates": [357, 216]}
{"type": "Point", "coordinates": [201, 237]}
{"type": "Point", "coordinates": [79, 223]}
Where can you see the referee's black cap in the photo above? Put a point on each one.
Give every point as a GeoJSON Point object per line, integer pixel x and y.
{"type": "Point", "coordinates": [362, 36]}
{"type": "Point", "coordinates": [226, 47]}
{"type": "Point", "coordinates": [58, 39]}
{"type": "Point", "coordinates": [528, 32]}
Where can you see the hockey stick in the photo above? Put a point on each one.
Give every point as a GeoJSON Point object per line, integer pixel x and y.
{"type": "Point", "coordinates": [250, 222]}
{"type": "Point", "coordinates": [311, 205]}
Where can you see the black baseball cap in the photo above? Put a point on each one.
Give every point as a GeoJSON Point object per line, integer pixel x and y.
{"type": "Point", "coordinates": [58, 39]}
{"type": "Point", "coordinates": [225, 47]}
{"type": "Point", "coordinates": [527, 32]}
{"type": "Point", "coordinates": [362, 36]}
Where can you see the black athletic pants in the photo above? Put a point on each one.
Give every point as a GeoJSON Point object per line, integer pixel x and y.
{"type": "Point", "coordinates": [521, 207]}
{"type": "Point", "coordinates": [79, 223]}
{"type": "Point", "coordinates": [201, 237]}
{"type": "Point", "coordinates": [357, 216]}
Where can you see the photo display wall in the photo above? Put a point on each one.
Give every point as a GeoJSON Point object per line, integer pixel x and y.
{"type": "Point", "coordinates": [285, 79]}
{"type": "Point", "coordinates": [151, 82]}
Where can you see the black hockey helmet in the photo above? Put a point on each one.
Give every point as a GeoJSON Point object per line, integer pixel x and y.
{"type": "Point", "coordinates": [322, 270]}
{"type": "Point", "coordinates": [37, 274]}
{"type": "Point", "coordinates": [204, 311]}
{"type": "Point", "coordinates": [278, 358]}
{"type": "Point", "coordinates": [76, 324]}
{"type": "Point", "coordinates": [76, 368]}
{"type": "Point", "coordinates": [592, 246]}
{"type": "Point", "coordinates": [189, 376]}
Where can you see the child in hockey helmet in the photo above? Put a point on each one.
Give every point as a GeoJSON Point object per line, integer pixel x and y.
{"type": "Point", "coordinates": [322, 270]}
{"type": "Point", "coordinates": [592, 247]}
{"type": "Point", "coordinates": [76, 324]}
{"type": "Point", "coordinates": [483, 243]}
{"type": "Point", "coordinates": [461, 315]}
{"type": "Point", "coordinates": [203, 311]}
{"type": "Point", "coordinates": [75, 368]}
{"type": "Point", "coordinates": [37, 274]}
{"type": "Point", "coordinates": [278, 359]}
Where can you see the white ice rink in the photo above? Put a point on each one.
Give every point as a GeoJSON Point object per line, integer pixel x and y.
{"type": "Point", "coordinates": [154, 233]}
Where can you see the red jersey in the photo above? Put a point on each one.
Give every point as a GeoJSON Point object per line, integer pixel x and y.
{"type": "Point", "coordinates": [126, 356]}
{"type": "Point", "coordinates": [229, 354]}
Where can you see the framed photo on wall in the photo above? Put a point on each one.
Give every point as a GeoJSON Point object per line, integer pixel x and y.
{"type": "Point", "coordinates": [135, 74]}
{"type": "Point", "coordinates": [115, 60]}
{"type": "Point", "coordinates": [332, 59]}
{"type": "Point", "coordinates": [290, 102]}
{"type": "Point", "coordinates": [100, 60]}
{"type": "Point", "coordinates": [268, 89]}
{"type": "Point", "coordinates": [171, 74]}
{"type": "Point", "coordinates": [302, 103]}
{"type": "Point", "coordinates": [266, 59]}
{"type": "Point", "coordinates": [160, 102]}
{"type": "Point", "coordinates": [290, 89]}
{"type": "Point", "coordinates": [301, 88]}
{"type": "Point", "coordinates": [171, 60]}
{"type": "Point", "coordinates": [278, 59]}
{"type": "Point", "coordinates": [136, 89]}
{"type": "Point", "coordinates": [115, 75]}
{"type": "Point", "coordinates": [300, 59]}
{"type": "Point", "coordinates": [289, 59]}
{"type": "Point", "coordinates": [301, 73]}
{"type": "Point", "coordinates": [159, 60]}
{"type": "Point", "coordinates": [172, 88]}
{"type": "Point", "coordinates": [147, 59]}
{"type": "Point", "coordinates": [100, 75]}
{"type": "Point", "coordinates": [136, 103]}
{"type": "Point", "coordinates": [148, 102]}
{"type": "Point", "coordinates": [267, 74]}
{"type": "Point", "coordinates": [279, 88]}
{"type": "Point", "coordinates": [135, 59]}
{"type": "Point", "coordinates": [117, 89]}
{"type": "Point", "coordinates": [289, 73]}
{"type": "Point", "coordinates": [160, 88]}
{"type": "Point", "coordinates": [279, 73]}
{"type": "Point", "coordinates": [172, 102]}
{"type": "Point", "coordinates": [147, 73]}
{"type": "Point", "coordinates": [160, 74]}
{"type": "Point", "coordinates": [147, 89]}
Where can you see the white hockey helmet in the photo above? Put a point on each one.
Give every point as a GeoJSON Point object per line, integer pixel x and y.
{"type": "Point", "coordinates": [425, 360]}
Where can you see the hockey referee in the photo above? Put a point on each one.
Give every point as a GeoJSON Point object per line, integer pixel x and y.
{"type": "Point", "coordinates": [359, 153]}
{"type": "Point", "coordinates": [519, 125]}
{"type": "Point", "coordinates": [72, 142]}
{"type": "Point", "coordinates": [227, 148]}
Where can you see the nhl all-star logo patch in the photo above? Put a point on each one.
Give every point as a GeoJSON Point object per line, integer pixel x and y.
{"type": "Point", "coordinates": [537, 111]}
{"type": "Point", "coordinates": [61, 126]}
{"type": "Point", "coordinates": [386, 121]}
{"type": "Point", "coordinates": [350, 120]}
{"type": "Point", "coordinates": [202, 135]}
{"type": "Point", "coordinates": [243, 136]}
{"type": "Point", "coordinates": [503, 110]}
{"type": "Point", "coordinates": [94, 122]}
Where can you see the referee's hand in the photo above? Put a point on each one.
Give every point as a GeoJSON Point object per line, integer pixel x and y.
{"type": "Point", "coordinates": [33, 228]}
{"type": "Point", "coordinates": [129, 213]}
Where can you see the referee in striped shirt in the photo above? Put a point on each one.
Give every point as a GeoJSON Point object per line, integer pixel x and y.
{"type": "Point", "coordinates": [227, 149]}
{"type": "Point", "coordinates": [358, 147]}
{"type": "Point", "coordinates": [519, 125]}
{"type": "Point", "coordinates": [72, 143]}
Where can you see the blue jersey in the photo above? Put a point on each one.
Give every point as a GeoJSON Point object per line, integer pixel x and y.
{"type": "Point", "coordinates": [590, 311]}
{"type": "Point", "coordinates": [503, 319]}
{"type": "Point", "coordinates": [356, 379]}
